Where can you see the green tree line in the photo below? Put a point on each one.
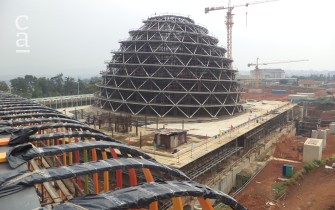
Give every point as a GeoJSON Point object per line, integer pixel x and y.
{"type": "Point", "coordinates": [30, 86]}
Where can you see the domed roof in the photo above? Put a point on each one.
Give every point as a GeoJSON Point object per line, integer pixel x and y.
{"type": "Point", "coordinates": [170, 66]}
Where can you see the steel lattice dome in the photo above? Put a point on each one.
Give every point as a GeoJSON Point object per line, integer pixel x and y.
{"type": "Point", "coordinates": [170, 66]}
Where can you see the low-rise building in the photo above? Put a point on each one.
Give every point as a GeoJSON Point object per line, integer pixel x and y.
{"type": "Point", "coordinates": [269, 74]}
{"type": "Point", "coordinates": [309, 83]}
{"type": "Point", "coordinates": [170, 138]}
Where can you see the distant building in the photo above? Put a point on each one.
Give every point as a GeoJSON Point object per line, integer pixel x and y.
{"type": "Point", "coordinates": [329, 83]}
{"type": "Point", "coordinates": [309, 83]}
{"type": "Point", "coordinates": [265, 74]}
{"type": "Point", "coordinates": [170, 138]}
{"type": "Point", "coordinates": [245, 79]}
{"type": "Point", "coordinates": [266, 77]}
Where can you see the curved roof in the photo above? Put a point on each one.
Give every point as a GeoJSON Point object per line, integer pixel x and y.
{"type": "Point", "coordinates": [170, 54]}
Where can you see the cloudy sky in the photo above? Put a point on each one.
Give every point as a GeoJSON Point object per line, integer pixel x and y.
{"type": "Point", "coordinates": [75, 37]}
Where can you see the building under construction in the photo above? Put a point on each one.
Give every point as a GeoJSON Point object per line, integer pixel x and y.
{"type": "Point", "coordinates": [50, 161]}
{"type": "Point", "coordinates": [170, 67]}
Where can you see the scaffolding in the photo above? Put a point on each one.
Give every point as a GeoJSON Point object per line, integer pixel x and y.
{"type": "Point", "coordinates": [170, 67]}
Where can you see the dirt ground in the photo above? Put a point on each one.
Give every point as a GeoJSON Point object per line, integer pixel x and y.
{"type": "Point", "coordinates": [290, 147]}
{"type": "Point", "coordinates": [259, 191]}
{"type": "Point", "coordinates": [315, 191]}
{"type": "Point", "coordinates": [267, 95]}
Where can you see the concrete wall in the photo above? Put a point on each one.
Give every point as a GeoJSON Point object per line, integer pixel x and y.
{"type": "Point", "coordinates": [312, 150]}
{"type": "Point", "coordinates": [314, 134]}
{"type": "Point", "coordinates": [295, 96]}
{"type": "Point", "coordinates": [332, 128]}
{"type": "Point", "coordinates": [323, 136]}
{"type": "Point", "coordinates": [228, 180]}
{"type": "Point", "coordinates": [310, 95]}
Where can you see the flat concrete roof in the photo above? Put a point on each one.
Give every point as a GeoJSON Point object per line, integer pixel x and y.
{"type": "Point", "coordinates": [168, 131]}
{"type": "Point", "coordinates": [191, 151]}
{"type": "Point", "coordinates": [212, 128]}
{"type": "Point", "coordinates": [313, 142]}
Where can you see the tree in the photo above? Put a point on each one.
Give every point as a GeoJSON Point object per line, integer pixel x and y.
{"type": "Point", "coordinates": [20, 87]}
{"type": "Point", "coordinates": [31, 86]}
{"type": "Point", "coordinates": [30, 80]}
{"type": "Point", "coordinates": [4, 86]}
{"type": "Point", "coordinates": [70, 86]}
{"type": "Point", "coordinates": [43, 88]}
{"type": "Point", "coordinates": [89, 87]}
{"type": "Point", "coordinates": [58, 84]}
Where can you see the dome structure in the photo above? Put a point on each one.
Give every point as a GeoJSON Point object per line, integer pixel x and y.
{"type": "Point", "coordinates": [170, 67]}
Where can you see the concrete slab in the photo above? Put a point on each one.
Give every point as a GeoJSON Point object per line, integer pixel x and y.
{"type": "Point", "coordinates": [212, 128]}
{"type": "Point", "coordinates": [192, 151]}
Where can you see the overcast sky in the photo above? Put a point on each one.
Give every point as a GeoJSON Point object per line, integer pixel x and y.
{"type": "Point", "coordinates": [75, 37]}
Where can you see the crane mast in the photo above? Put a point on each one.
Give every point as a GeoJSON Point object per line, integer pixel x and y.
{"type": "Point", "coordinates": [230, 23]}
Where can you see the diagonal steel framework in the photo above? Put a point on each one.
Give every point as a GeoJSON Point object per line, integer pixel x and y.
{"type": "Point", "coordinates": [170, 66]}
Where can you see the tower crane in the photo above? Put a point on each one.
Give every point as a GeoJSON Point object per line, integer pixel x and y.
{"type": "Point", "coordinates": [257, 73]}
{"type": "Point", "coordinates": [229, 21]}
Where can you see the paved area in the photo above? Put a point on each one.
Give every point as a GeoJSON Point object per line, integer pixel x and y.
{"type": "Point", "coordinates": [191, 151]}
{"type": "Point", "coordinates": [214, 127]}
{"type": "Point", "coordinates": [211, 134]}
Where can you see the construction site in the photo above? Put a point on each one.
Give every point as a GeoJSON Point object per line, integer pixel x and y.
{"type": "Point", "coordinates": [241, 155]}
{"type": "Point", "coordinates": [173, 125]}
